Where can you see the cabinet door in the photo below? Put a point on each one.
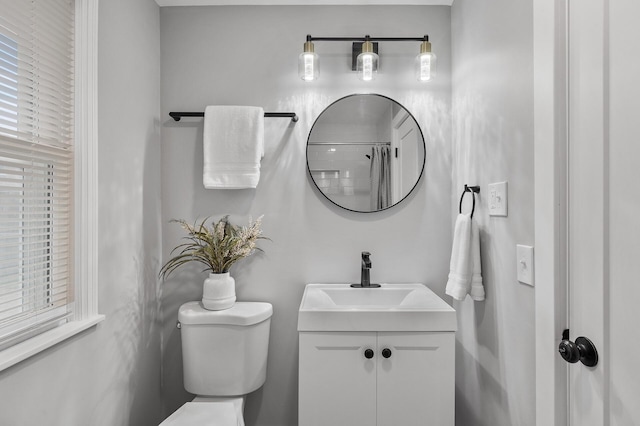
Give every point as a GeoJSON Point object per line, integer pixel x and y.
{"type": "Point", "coordinates": [337, 384]}
{"type": "Point", "coordinates": [416, 382]}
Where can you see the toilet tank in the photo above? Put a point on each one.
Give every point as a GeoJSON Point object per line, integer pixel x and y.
{"type": "Point", "coordinates": [224, 353]}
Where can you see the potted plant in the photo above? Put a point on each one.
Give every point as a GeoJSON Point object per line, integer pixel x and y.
{"type": "Point", "coordinates": [217, 247]}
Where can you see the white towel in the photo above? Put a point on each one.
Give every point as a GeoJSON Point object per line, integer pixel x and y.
{"type": "Point", "coordinates": [477, 288]}
{"type": "Point", "coordinates": [460, 263]}
{"type": "Point", "coordinates": [465, 274]}
{"type": "Point", "coordinates": [233, 142]}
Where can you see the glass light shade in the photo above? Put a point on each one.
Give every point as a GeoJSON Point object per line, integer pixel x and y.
{"type": "Point", "coordinates": [425, 66]}
{"type": "Point", "coordinates": [367, 66]}
{"type": "Point", "coordinates": [308, 66]}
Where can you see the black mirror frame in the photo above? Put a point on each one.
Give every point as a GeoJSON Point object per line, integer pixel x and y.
{"type": "Point", "coordinates": [424, 157]}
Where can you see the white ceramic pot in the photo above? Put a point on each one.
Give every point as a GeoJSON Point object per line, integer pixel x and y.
{"type": "Point", "coordinates": [219, 292]}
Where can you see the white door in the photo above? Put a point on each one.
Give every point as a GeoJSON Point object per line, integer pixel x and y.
{"type": "Point", "coordinates": [406, 146]}
{"type": "Point", "coordinates": [604, 209]}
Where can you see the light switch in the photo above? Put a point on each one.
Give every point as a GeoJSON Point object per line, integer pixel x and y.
{"type": "Point", "coordinates": [524, 257]}
{"type": "Point", "coordinates": [498, 199]}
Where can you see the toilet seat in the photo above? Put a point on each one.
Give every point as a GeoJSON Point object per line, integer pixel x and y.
{"type": "Point", "coordinates": [219, 413]}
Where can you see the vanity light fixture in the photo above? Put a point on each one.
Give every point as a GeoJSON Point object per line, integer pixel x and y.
{"type": "Point", "coordinates": [425, 62]}
{"type": "Point", "coordinates": [308, 65]}
{"type": "Point", "coordinates": [365, 57]}
{"type": "Point", "coordinates": [367, 61]}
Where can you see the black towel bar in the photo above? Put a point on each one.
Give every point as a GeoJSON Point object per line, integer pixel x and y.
{"type": "Point", "coordinates": [178, 115]}
{"type": "Point", "coordinates": [473, 190]}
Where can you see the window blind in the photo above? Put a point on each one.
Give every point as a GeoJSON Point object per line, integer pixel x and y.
{"type": "Point", "coordinates": [36, 166]}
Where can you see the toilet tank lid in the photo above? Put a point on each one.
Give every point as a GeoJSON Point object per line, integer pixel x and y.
{"type": "Point", "coordinates": [242, 313]}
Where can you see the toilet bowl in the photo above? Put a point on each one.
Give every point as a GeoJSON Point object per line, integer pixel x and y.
{"type": "Point", "coordinates": [224, 358]}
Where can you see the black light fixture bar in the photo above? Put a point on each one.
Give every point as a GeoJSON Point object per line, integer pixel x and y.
{"type": "Point", "coordinates": [369, 38]}
{"type": "Point", "coordinates": [178, 115]}
{"type": "Point", "coordinates": [357, 47]}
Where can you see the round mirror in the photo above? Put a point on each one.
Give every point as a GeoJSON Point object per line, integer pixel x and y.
{"type": "Point", "coordinates": [365, 153]}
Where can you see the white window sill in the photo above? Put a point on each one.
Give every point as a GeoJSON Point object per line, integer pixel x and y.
{"type": "Point", "coordinates": [37, 344]}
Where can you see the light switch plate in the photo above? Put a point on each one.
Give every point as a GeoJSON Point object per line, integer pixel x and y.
{"type": "Point", "coordinates": [524, 257]}
{"type": "Point", "coordinates": [498, 199]}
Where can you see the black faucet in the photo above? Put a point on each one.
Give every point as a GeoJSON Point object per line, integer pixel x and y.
{"type": "Point", "coordinates": [365, 273]}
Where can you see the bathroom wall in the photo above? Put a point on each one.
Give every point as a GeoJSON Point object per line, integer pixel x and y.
{"type": "Point", "coordinates": [109, 375]}
{"type": "Point", "coordinates": [492, 43]}
{"type": "Point", "coordinates": [248, 56]}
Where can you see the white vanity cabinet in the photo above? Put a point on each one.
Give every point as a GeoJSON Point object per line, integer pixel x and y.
{"type": "Point", "coordinates": [375, 356]}
{"type": "Point", "coordinates": [409, 379]}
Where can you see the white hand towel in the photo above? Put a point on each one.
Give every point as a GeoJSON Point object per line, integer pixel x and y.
{"type": "Point", "coordinates": [461, 263]}
{"type": "Point", "coordinates": [477, 288]}
{"type": "Point", "coordinates": [233, 142]}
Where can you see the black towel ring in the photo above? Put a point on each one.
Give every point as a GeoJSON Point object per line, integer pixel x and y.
{"type": "Point", "coordinates": [473, 190]}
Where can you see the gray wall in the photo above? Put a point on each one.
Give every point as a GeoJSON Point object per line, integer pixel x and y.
{"type": "Point", "coordinates": [248, 56]}
{"type": "Point", "coordinates": [109, 375]}
{"type": "Point", "coordinates": [492, 98]}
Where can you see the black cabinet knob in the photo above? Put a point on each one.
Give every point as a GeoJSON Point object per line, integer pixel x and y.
{"type": "Point", "coordinates": [368, 353]}
{"type": "Point", "coordinates": [386, 352]}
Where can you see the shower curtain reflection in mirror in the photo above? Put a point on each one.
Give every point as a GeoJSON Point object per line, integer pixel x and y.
{"type": "Point", "coordinates": [380, 177]}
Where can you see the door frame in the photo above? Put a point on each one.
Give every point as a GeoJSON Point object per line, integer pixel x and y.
{"type": "Point", "coordinates": [396, 121]}
{"type": "Point", "coordinates": [550, 217]}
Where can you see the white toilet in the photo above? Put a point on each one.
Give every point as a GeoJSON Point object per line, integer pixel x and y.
{"type": "Point", "coordinates": [224, 358]}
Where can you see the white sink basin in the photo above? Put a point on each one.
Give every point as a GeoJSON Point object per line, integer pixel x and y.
{"type": "Point", "coordinates": [392, 307]}
{"type": "Point", "coordinates": [388, 297]}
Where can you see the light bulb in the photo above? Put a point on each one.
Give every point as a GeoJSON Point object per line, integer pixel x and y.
{"type": "Point", "coordinates": [367, 62]}
{"type": "Point", "coordinates": [425, 63]}
{"type": "Point", "coordinates": [308, 64]}
{"type": "Point", "coordinates": [366, 73]}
